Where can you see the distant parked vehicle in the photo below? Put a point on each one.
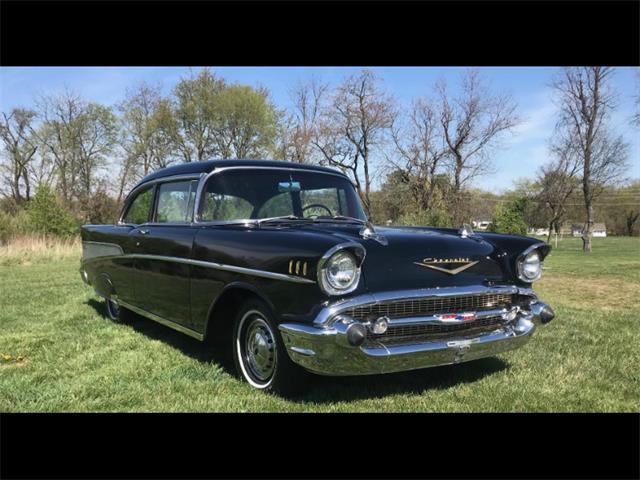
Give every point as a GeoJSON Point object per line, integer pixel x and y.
{"type": "Point", "coordinates": [598, 230]}
{"type": "Point", "coordinates": [279, 261]}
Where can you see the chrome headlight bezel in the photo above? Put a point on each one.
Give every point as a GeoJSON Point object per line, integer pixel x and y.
{"type": "Point", "coordinates": [355, 252]}
{"type": "Point", "coordinates": [530, 256]}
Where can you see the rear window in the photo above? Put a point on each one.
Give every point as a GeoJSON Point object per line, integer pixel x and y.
{"type": "Point", "coordinates": [139, 208]}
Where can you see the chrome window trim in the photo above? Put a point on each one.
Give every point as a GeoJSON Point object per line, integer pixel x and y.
{"type": "Point", "coordinates": [331, 310]}
{"type": "Point", "coordinates": [215, 171]}
{"type": "Point", "coordinates": [171, 178]}
{"type": "Point", "coordinates": [214, 265]}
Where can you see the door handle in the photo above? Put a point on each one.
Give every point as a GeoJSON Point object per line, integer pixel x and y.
{"type": "Point", "coordinates": [144, 231]}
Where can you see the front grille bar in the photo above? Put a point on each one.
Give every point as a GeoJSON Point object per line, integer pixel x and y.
{"type": "Point", "coordinates": [431, 306]}
{"type": "Point", "coordinates": [412, 334]}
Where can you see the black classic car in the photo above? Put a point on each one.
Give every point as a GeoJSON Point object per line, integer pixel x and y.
{"type": "Point", "coordinates": [279, 262]}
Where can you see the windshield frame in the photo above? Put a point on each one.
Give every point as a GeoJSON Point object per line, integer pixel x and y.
{"type": "Point", "coordinates": [251, 221]}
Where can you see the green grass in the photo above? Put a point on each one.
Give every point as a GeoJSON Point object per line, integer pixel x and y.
{"type": "Point", "coordinates": [60, 353]}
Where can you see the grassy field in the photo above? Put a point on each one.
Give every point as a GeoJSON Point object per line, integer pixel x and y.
{"type": "Point", "coordinates": [58, 352]}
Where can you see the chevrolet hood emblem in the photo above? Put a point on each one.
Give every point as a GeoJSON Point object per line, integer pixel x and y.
{"type": "Point", "coordinates": [452, 266]}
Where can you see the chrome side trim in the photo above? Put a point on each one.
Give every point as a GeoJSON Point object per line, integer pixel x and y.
{"type": "Point", "coordinates": [86, 261]}
{"type": "Point", "coordinates": [100, 249]}
{"type": "Point", "coordinates": [215, 171]}
{"type": "Point", "coordinates": [226, 268]}
{"type": "Point", "coordinates": [331, 310]}
{"type": "Point", "coordinates": [214, 265]}
{"type": "Point", "coordinates": [163, 321]}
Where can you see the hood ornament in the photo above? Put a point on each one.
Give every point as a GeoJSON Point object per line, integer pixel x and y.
{"type": "Point", "coordinates": [466, 231]}
{"type": "Point", "coordinates": [368, 232]}
{"type": "Point", "coordinates": [447, 265]}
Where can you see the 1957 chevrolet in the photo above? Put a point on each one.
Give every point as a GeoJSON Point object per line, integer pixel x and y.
{"type": "Point", "coordinates": [279, 261]}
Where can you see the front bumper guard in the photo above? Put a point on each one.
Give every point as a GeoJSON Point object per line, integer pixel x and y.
{"type": "Point", "coordinates": [326, 351]}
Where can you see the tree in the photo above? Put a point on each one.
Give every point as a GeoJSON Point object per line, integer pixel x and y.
{"type": "Point", "coordinates": [558, 180]}
{"type": "Point", "coordinates": [295, 142]}
{"type": "Point", "coordinates": [77, 137]}
{"type": "Point", "coordinates": [19, 148]}
{"type": "Point", "coordinates": [472, 124]}
{"type": "Point", "coordinates": [195, 103]}
{"type": "Point", "coordinates": [353, 126]}
{"type": "Point", "coordinates": [149, 135]}
{"type": "Point", "coordinates": [215, 119]}
{"type": "Point", "coordinates": [635, 120]}
{"type": "Point", "coordinates": [96, 138]}
{"type": "Point", "coordinates": [586, 101]}
{"type": "Point", "coordinates": [420, 151]}
{"type": "Point", "coordinates": [244, 122]}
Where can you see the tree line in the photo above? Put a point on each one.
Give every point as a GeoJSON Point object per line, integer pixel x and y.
{"type": "Point", "coordinates": [424, 158]}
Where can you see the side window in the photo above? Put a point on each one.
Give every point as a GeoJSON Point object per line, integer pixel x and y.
{"type": "Point", "coordinates": [175, 201]}
{"type": "Point", "coordinates": [220, 207]}
{"type": "Point", "coordinates": [138, 211]}
{"type": "Point", "coordinates": [277, 206]}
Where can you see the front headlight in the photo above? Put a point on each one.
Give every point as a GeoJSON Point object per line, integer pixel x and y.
{"type": "Point", "coordinates": [339, 272]}
{"type": "Point", "coordinates": [530, 267]}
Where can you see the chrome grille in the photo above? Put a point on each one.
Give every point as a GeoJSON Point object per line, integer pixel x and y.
{"type": "Point", "coordinates": [429, 306]}
{"type": "Point", "coordinates": [412, 334]}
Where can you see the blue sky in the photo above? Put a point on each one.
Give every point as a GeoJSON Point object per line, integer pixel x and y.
{"type": "Point", "coordinates": [520, 154]}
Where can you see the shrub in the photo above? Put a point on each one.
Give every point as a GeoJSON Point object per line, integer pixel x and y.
{"type": "Point", "coordinates": [510, 218]}
{"type": "Point", "coordinates": [13, 225]}
{"type": "Point", "coordinates": [6, 227]}
{"type": "Point", "coordinates": [101, 208]}
{"type": "Point", "coordinates": [48, 216]}
{"type": "Point", "coordinates": [421, 218]}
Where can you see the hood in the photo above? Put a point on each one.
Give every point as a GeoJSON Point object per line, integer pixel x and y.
{"type": "Point", "coordinates": [416, 257]}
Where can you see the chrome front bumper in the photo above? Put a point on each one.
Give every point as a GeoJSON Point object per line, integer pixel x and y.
{"type": "Point", "coordinates": [325, 349]}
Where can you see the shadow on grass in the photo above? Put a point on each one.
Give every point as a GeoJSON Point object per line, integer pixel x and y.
{"type": "Point", "coordinates": [345, 389]}
{"type": "Point", "coordinates": [201, 351]}
{"type": "Point", "coordinates": [323, 389]}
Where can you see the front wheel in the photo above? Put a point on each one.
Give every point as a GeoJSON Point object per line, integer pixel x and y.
{"type": "Point", "coordinates": [259, 353]}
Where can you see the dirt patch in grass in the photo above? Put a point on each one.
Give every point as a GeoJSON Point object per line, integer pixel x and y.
{"type": "Point", "coordinates": [579, 292]}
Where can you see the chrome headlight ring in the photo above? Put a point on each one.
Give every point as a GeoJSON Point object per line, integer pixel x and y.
{"type": "Point", "coordinates": [529, 263]}
{"type": "Point", "coordinates": [339, 269]}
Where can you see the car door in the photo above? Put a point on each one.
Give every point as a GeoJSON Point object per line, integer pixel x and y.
{"type": "Point", "coordinates": [163, 248]}
{"type": "Point", "coordinates": [137, 213]}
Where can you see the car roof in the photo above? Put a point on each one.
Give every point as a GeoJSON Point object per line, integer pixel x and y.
{"type": "Point", "coordinates": [210, 165]}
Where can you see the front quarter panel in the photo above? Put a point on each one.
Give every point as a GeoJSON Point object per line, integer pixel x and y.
{"type": "Point", "coordinates": [265, 250]}
{"type": "Point", "coordinates": [511, 247]}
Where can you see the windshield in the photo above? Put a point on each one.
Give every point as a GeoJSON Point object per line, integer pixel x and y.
{"type": "Point", "coordinates": [257, 194]}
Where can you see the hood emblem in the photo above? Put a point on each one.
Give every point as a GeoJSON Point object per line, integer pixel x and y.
{"type": "Point", "coordinates": [452, 266]}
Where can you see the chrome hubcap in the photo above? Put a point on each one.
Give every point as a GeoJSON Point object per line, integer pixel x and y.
{"type": "Point", "coordinates": [113, 307]}
{"type": "Point", "coordinates": [260, 349]}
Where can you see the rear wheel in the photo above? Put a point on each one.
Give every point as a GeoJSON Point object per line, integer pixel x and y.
{"type": "Point", "coordinates": [259, 353]}
{"type": "Point", "coordinates": [115, 312]}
